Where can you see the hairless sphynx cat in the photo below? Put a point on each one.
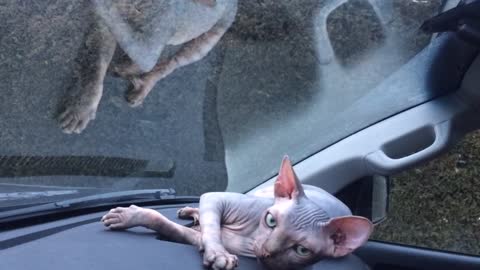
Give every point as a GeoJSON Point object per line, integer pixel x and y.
{"type": "Point", "coordinates": [289, 226]}
{"type": "Point", "coordinates": [142, 29]}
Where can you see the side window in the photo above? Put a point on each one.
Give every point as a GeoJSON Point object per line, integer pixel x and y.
{"type": "Point", "coordinates": [437, 205]}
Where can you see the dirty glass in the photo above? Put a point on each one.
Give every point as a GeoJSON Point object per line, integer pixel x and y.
{"type": "Point", "coordinates": [436, 206]}
{"type": "Point", "coordinates": [195, 95]}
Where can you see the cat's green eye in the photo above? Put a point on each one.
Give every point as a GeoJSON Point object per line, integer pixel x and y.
{"type": "Point", "coordinates": [302, 251]}
{"type": "Point", "coordinates": [270, 220]}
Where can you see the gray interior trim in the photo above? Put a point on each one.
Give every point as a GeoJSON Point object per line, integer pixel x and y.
{"type": "Point", "coordinates": [446, 119]}
{"type": "Point", "coordinates": [390, 256]}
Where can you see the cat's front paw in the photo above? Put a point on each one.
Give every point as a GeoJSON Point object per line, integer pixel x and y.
{"type": "Point", "coordinates": [75, 118]}
{"type": "Point", "coordinates": [141, 86]}
{"type": "Point", "coordinates": [80, 107]}
{"type": "Point", "coordinates": [219, 259]}
{"type": "Point", "coordinates": [189, 213]}
{"type": "Point", "coordinates": [121, 218]}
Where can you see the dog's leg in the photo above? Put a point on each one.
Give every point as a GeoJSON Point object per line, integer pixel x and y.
{"type": "Point", "coordinates": [82, 101]}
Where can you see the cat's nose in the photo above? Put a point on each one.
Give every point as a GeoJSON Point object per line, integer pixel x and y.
{"type": "Point", "coordinates": [265, 254]}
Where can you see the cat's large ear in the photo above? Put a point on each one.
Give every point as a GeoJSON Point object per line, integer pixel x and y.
{"type": "Point", "coordinates": [348, 233]}
{"type": "Point", "coordinates": [287, 185]}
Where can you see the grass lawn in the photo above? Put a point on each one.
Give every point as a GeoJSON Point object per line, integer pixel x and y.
{"type": "Point", "coordinates": [437, 205]}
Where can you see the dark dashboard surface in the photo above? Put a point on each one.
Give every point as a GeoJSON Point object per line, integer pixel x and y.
{"type": "Point", "coordinates": [82, 242]}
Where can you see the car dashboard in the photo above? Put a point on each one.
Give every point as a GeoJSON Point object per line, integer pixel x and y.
{"type": "Point", "coordinates": [82, 242]}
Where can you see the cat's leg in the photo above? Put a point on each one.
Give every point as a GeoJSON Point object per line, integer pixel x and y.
{"type": "Point", "coordinates": [127, 69]}
{"type": "Point", "coordinates": [213, 207]}
{"type": "Point", "coordinates": [123, 66]}
{"type": "Point", "coordinates": [121, 218]}
{"type": "Point", "coordinates": [210, 3]}
{"type": "Point", "coordinates": [82, 101]}
{"type": "Point", "coordinates": [189, 213]}
{"type": "Point", "coordinates": [190, 52]}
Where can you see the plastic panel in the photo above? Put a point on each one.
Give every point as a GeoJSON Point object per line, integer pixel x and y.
{"type": "Point", "coordinates": [361, 154]}
{"type": "Point", "coordinates": [387, 256]}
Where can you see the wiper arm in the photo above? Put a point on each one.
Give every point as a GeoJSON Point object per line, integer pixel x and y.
{"type": "Point", "coordinates": [153, 194]}
{"type": "Point", "coordinates": [463, 20]}
{"type": "Point", "coordinates": [145, 195]}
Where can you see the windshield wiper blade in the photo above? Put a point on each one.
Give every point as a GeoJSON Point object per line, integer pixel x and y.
{"type": "Point", "coordinates": [154, 194]}
{"type": "Point", "coordinates": [102, 199]}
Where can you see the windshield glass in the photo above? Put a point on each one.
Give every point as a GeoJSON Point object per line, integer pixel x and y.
{"type": "Point", "coordinates": [195, 95]}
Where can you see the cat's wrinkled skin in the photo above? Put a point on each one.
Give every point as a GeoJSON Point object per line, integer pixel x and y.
{"type": "Point", "coordinates": [296, 227]}
{"type": "Point", "coordinates": [142, 29]}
